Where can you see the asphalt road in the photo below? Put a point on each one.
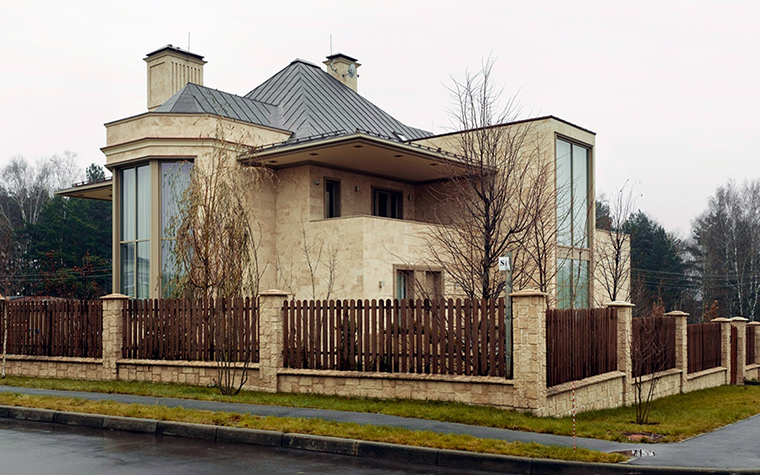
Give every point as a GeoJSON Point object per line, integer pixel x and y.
{"type": "Point", "coordinates": [41, 448]}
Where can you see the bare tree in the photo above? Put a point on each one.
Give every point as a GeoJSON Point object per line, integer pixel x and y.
{"type": "Point", "coordinates": [613, 253]}
{"type": "Point", "coordinates": [317, 255]}
{"type": "Point", "coordinates": [217, 246]}
{"type": "Point", "coordinates": [489, 200]}
{"type": "Point", "coordinates": [726, 249]}
{"type": "Point", "coordinates": [648, 358]}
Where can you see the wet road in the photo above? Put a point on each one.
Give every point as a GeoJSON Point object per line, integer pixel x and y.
{"type": "Point", "coordinates": [41, 448]}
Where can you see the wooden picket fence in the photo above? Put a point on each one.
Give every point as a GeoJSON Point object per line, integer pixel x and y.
{"type": "Point", "coordinates": [459, 337]}
{"type": "Point", "coordinates": [580, 343]}
{"type": "Point", "coordinates": [194, 330]}
{"type": "Point", "coordinates": [704, 346]}
{"type": "Point", "coordinates": [653, 345]}
{"type": "Point", "coordinates": [57, 327]}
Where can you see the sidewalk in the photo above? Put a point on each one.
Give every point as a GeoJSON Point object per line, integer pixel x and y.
{"type": "Point", "coordinates": [733, 446]}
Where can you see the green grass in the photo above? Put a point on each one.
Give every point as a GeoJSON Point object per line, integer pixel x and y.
{"type": "Point", "coordinates": [676, 417]}
{"type": "Point", "coordinates": [386, 434]}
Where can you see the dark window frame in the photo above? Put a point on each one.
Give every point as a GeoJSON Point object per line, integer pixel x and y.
{"type": "Point", "coordinates": [382, 201]}
{"type": "Point", "coordinates": [332, 198]}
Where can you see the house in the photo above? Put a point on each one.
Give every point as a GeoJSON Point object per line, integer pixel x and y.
{"type": "Point", "coordinates": [349, 181]}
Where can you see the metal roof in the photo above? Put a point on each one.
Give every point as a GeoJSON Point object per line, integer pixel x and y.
{"type": "Point", "coordinates": [313, 103]}
{"type": "Point", "coordinates": [302, 99]}
{"type": "Point", "coordinates": [193, 99]}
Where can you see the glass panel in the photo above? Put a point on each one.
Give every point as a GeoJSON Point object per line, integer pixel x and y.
{"type": "Point", "coordinates": [143, 202]}
{"type": "Point", "coordinates": [128, 269]}
{"type": "Point", "coordinates": [396, 205]}
{"type": "Point", "coordinates": [128, 204]}
{"type": "Point", "coordinates": [143, 269]}
{"type": "Point", "coordinates": [580, 197]}
{"type": "Point", "coordinates": [564, 194]}
{"type": "Point", "coordinates": [168, 267]}
{"type": "Point", "coordinates": [400, 285]}
{"type": "Point", "coordinates": [564, 283]}
{"type": "Point", "coordinates": [580, 279]}
{"type": "Point", "coordinates": [175, 178]}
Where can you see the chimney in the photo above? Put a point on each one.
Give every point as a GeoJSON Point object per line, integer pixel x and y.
{"type": "Point", "coordinates": [169, 69]}
{"type": "Point", "coordinates": [343, 68]}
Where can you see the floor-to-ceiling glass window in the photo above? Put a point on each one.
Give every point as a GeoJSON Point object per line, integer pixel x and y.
{"type": "Point", "coordinates": [572, 182]}
{"type": "Point", "coordinates": [175, 179]}
{"type": "Point", "coordinates": [135, 231]}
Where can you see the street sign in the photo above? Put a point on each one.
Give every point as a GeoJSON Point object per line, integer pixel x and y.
{"type": "Point", "coordinates": [505, 263]}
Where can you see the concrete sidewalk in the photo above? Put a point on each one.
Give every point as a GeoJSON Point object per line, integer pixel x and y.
{"type": "Point", "coordinates": [731, 447]}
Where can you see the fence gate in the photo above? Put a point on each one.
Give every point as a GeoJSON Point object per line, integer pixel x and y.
{"type": "Point", "coordinates": [734, 355]}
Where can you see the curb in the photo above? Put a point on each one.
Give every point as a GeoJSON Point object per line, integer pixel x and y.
{"type": "Point", "coordinates": [349, 447]}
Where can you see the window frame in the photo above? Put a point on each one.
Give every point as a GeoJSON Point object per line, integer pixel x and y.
{"type": "Point", "coordinates": [332, 198]}
{"type": "Point", "coordinates": [376, 202]}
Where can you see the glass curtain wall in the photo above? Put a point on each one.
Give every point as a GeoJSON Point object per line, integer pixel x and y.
{"type": "Point", "coordinates": [572, 184]}
{"type": "Point", "coordinates": [175, 179]}
{"type": "Point", "coordinates": [135, 232]}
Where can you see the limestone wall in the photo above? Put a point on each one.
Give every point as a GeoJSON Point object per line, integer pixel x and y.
{"type": "Point", "coordinates": [466, 389]}
{"type": "Point", "coordinates": [54, 367]}
{"type": "Point", "coordinates": [708, 378]}
{"type": "Point", "coordinates": [598, 392]}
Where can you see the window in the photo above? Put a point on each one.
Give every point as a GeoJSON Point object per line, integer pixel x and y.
{"type": "Point", "coordinates": [404, 284]}
{"type": "Point", "coordinates": [572, 194]}
{"type": "Point", "coordinates": [572, 223]}
{"type": "Point", "coordinates": [134, 243]}
{"type": "Point", "coordinates": [332, 198]}
{"type": "Point", "coordinates": [387, 204]}
{"type": "Point", "coordinates": [423, 284]}
{"type": "Point", "coordinates": [572, 280]}
{"type": "Point", "coordinates": [175, 178]}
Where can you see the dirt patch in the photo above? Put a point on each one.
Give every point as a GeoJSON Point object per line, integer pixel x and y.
{"type": "Point", "coordinates": [643, 436]}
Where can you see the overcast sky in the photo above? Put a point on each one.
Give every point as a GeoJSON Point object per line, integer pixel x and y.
{"type": "Point", "coordinates": [670, 87]}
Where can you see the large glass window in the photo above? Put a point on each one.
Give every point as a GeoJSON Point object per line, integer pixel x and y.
{"type": "Point", "coordinates": [135, 232]}
{"type": "Point", "coordinates": [572, 194]}
{"type": "Point", "coordinates": [175, 179]}
{"type": "Point", "coordinates": [572, 223]}
{"type": "Point", "coordinates": [572, 280]}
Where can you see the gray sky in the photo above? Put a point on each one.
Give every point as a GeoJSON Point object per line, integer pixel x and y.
{"type": "Point", "coordinates": [670, 87]}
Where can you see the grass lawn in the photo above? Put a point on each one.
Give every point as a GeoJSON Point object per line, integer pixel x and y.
{"type": "Point", "coordinates": [673, 418]}
{"type": "Point", "coordinates": [392, 435]}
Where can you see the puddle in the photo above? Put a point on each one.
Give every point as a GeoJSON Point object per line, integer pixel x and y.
{"type": "Point", "coordinates": [637, 453]}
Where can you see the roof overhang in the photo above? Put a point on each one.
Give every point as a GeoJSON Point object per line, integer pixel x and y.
{"type": "Point", "coordinates": [362, 153]}
{"type": "Point", "coordinates": [101, 190]}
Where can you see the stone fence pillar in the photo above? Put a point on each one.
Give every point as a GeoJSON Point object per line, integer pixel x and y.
{"type": "Point", "coordinates": [271, 338]}
{"type": "Point", "coordinates": [529, 355]}
{"type": "Point", "coordinates": [741, 348]}
{"type": "Point", "coordinates": [113, 333]}
{"type": "Point", "coordinates": [682, 344]}
{"type": "Point", "coordinates": [725, 346]}
{"type": "Point", "coordinates": [624, 339]}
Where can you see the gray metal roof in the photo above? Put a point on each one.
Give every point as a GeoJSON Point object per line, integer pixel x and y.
{"type": "Point", "coordinates": [302, 99]}
{"type": "Point", "coordinates": [313, 103]}
{"type": "Point", "coordinates": [193, 99]}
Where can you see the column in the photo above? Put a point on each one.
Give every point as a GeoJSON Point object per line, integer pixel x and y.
{"type": "Point", "coordinates": [529, 342]}
{"type": "Point", "coordinates": [271, 338]}
{"type": "Point", "coordinates": [113, 333]}
{"type": "Point", "coordinates": [682, 344]}
{"type": "Point", "coordinates": [624, 338]}
{"type": "Point", "coordinates": [741, 348]}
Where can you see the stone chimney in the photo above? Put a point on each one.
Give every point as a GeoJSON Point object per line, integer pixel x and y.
{"type": "Point", "coordinates": [343, 68]}
{"type": "Point", "coordinates": [169, 70]}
